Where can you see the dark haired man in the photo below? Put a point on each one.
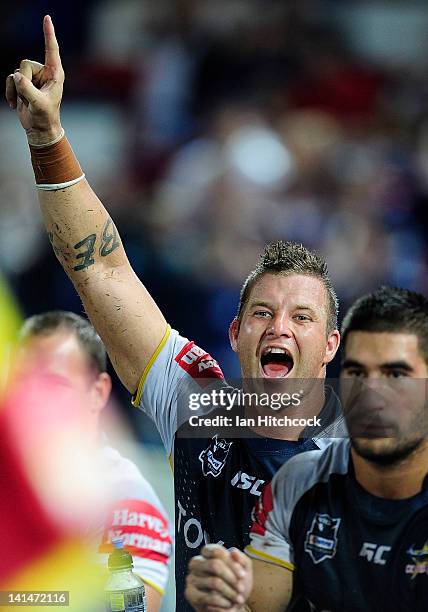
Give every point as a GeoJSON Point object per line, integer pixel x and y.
{"type": "Point", "coordinates": [285, 328]}
{"type": "Point", "coordinates": [347, 528]}
{"type": "Point", "coordinates": [68, 353]}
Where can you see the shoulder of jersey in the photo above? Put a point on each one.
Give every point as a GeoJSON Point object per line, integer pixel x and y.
{"type": "Point", "coordinates": [114, 461]}
{"type": "Point", "coordinates": [307, 469]}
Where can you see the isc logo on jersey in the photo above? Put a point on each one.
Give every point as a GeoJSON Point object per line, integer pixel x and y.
{"type": "Point", "coordinates": [374, 553]}
{"type": "Point", "coordinates": [198, 363]}
{"type": "Point", "coordinates": [242, 480]}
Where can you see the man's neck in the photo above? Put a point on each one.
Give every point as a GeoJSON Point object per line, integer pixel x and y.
{"type": "Point", "coordinates": [309, 407]}
{"type": "Point", "coordinates": [398, 481]}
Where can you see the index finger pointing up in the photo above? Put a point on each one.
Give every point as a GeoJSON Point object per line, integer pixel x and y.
{"type": "Point", "coordinates": [52, 57]}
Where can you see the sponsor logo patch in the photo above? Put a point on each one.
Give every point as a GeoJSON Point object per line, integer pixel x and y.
{"type": "Point", "coordinates": [321, 538]}
{"type": "Point", "coordinates": [198, 363]}
{"type": "Point", "coordinates": [214, 457]}
{"type": "Point", "coordinates": [144, 529]}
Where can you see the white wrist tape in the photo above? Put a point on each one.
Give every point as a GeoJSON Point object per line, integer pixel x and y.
{"type": "Point", "coordinates": [57, 186]}
{"type": "Point", "coordinates": [48, 144]}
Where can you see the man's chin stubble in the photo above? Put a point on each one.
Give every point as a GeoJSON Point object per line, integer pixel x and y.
{"type": "Point", "coordinates": [389, 456]}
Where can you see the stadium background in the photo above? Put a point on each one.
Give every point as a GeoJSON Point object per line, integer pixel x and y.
{"type": "Point", "coordinates": [209, 127]}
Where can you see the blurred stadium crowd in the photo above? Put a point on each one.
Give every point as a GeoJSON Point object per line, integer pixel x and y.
{"type": "Point", "coordinates": [210, 127]}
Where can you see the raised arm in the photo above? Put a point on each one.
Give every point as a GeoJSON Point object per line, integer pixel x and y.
{"type": "Point", "coordinates": [83, 236]}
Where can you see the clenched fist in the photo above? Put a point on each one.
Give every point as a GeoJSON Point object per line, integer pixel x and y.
{"type": "Point", "coordinates": [219, 579]}
{"type": "Point", "coordinates": [35, 91]}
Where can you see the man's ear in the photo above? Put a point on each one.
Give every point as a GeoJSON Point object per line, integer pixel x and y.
{"type": "Point", "coordinates": [333, 342]}
{"type": "Point", "coordinates": [233, 334]}
{"type": "Point", "coordinates": [101, 390]}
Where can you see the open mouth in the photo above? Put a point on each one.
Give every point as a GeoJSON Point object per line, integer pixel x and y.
{"type": "Point", "coordinates": [276, 362]}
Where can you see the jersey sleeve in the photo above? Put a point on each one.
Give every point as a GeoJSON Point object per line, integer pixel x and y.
{"type": "Point", "coordinates": [269, 535]}
{"type": "Point", "coordinates": [177, 364]}
{"type": "Point", "coordinates": [137, 515]}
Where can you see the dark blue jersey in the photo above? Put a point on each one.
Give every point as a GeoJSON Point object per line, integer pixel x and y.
{"type": "Point", "coordinates": [349, 550]}
{"type": "Point", "coordinates": [217, 477]}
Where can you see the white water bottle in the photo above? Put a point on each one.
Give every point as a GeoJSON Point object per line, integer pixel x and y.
{"type": "Point", "coordinates": [124, 590]}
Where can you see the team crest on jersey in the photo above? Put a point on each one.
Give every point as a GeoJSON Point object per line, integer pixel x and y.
{"type": "Point", "coordinates": [321, 538]}
{"type": "Point", "coordinates": [419, 564]}
{"type": "Point", "coordinates": [214, 457]}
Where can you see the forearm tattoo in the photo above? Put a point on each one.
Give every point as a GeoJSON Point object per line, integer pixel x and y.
{"type": "Point", "coordinates": [109, 239]}
{"type": "Point", "coordinates": [109, 243]}
{"type": "Point", "coordinates": [86, 256]}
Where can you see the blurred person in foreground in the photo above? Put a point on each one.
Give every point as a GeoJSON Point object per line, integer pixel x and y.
{"type": "Point", "coordinates": [10, 322]}
{"type": "Point", "coordinates": [68, 353]}
{"type": "Point", "coordinates": [285, 328]}
{"type": "Point", "coordinates": [47, 495]}
{"type": "Point", "coordinates": [347, 528]}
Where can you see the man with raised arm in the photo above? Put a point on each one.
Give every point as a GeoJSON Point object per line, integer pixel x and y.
{"type": "Point", "coordinates": [345, 529]}
{"type": "Point", "coordinates": [285, 328]}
